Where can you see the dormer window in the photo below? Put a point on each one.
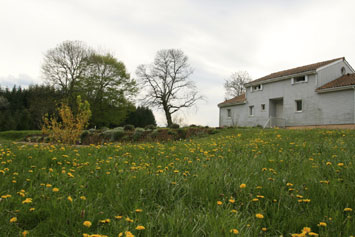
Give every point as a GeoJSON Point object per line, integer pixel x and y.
{"type": "Point", "coordinates": [343, 71]}
{"type": "Point", "coordinates": [258, 87]}
{"type": "Point", "coordinates": [299, 79]}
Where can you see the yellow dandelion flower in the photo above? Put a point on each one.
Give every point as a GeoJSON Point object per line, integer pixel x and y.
{"type": "Point", "coordinates": [139, 210]}
{"type": "Point", "coordinates": [13, 219]}
{"type": "Point", "coordinates": [129, 234]}
{"type": "Point", "coordinates": [118, 217]}
{"type": "Point", "coordinates": [219, 203]}
{"type": "Point", "coordinates": [264, 229]}
{"type": "Point", "coordinates": [87, 224]}
{"type": "Point", "coordinates": [322, 224]}
{"type": "Point", "coordinates": [243, 186]}
{"type": "Point", "coordinates": [55, 190]}
{"type": "Point", "coordinates": [83, 198]}
{"type": "Point", "coordinates": [25, 233]}
{"type": "Point", "coordinates": [259, 216]}
{"type": "Point", "coordinates": [234, 231]}
{"type": "Point", "coordinates": [70, 199]}
{"type": "Point", "coordinates": [48, 185]}
{"type": "Point", "coordinates": [231, 200]}
{"type": "Point", "coordinates": [105, 221]}
{"type": "Point", "coordinates": [340, 164]}
{"type": "Point", "coordinates": [306, 230]}
{"type": "Point", "coordinates": [32, 209]}
{"type": "Point", "coordinates": [348, 209]}
{"type": "Point", "coordinates": [234, 211]}
{"type": "Point", "coordinates": [140, 227]}
{"type": "Point", "coordinates": [27, 200]}
{"type": "Point", "coordinates": [312, 234]}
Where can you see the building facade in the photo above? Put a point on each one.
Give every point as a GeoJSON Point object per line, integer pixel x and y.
{"type": "Point", "coordinates": [317, 94]}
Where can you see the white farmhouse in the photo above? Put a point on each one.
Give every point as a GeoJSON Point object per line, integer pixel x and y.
{"type": "Point", "coordinates": [317, 94]}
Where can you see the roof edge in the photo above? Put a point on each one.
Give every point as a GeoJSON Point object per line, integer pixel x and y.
{"type": "Point", "coordinates": [221, 105]}
{"type": "Point", "coordinates": [279, 78]}
{"type": "Point", "coordinates": [339, 88]}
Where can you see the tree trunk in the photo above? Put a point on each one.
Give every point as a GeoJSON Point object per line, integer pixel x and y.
{"type": "Point", "coordinates": [168, 116]}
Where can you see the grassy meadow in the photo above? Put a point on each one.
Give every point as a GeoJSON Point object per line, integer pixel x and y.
{"type": "Point", "coordinates": [246, 182]}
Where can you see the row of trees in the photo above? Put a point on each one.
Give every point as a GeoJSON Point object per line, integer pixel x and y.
{"type": "Point", "coordinates": [23, 109]}
{"type": "Point", "coordinates": [75, 68]}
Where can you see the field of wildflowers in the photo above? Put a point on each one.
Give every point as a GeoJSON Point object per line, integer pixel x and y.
{"type": "Point", "coordinates": [247, 182]}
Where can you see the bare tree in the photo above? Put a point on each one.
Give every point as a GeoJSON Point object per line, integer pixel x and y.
{"type": "Point", "coordinates": [167, 82]}
{"type": "Point", "coordinates": [235, 84]}
{"type": "Point", "coordinates": [64, 65]}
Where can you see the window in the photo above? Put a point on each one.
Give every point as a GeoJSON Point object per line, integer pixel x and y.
{"type": "Point", "coordinates": [229, 113]}
{"type": "Point", "coordinates": [257, 87]}
{"type": "Point", "coordinates": [300, 79]}
{"type": "Point", "coordinates": [262, 107]}
{"type": "Point", "coordinates": [343, 71]}
{"type": "Point", "coordinates": [251, 110]}
{"type": "Point", "coordinates": [299, 105]}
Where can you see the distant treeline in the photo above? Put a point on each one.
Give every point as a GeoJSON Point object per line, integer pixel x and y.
{"type": "Point", "coordinates": [23, 109]}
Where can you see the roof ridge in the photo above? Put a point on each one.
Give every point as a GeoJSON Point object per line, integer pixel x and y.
{"type": "Point", "coordinates": [295, 70]}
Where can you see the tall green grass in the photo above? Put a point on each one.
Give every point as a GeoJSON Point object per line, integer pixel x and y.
{"type": "Point", "coordinates": [295, 179]}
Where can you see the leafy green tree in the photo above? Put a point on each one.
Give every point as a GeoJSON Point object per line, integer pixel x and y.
{"type": "Point", "coordinates": [141, 117]}
{"type": "Point", "coordinates": [109, 90]}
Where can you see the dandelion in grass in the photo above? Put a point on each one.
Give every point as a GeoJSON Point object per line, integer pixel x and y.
{"type": "Point", "coordinates": [264, 229]}
{"type": "Point", "coordinates": [13, 219]}
{"type": "Point", "coordinates": [55, 190]}
{"type": "Point", "coordinates": [87, 224]}
{"type": "Point", "coordinates": [140, 227]}
{"type": "Point", "coordinates": [306, 230]}
{"type": "Point", "coordinates": [243, 186]}
{"type": "Point", "coordinates": [259, 216]}
{"type": "Point", "coordinates": [105, 221]}
{"type": "Point", "coordinates": [234, 231]}
{"type": "Point", "coordinates": [322, 224]}
{"type": "Point", "coordinates": [219, 203]}
{"type": "Point", "coordinates": [313, 234]}
{"type": "Point", "coordinates": [231, 200]}
{"type": "Point", "coordinates": [27, 200]}
{"type": "Point", "coordinates": [348, 209]}
{"type": "Point", "coordinates": [139, 210]}
{"type": "Point", "coordinates": [70, 199]}
{"type": "Point", "coordinates": [83, 198]}
{"type": "Point", "coordinates": [25, 233]}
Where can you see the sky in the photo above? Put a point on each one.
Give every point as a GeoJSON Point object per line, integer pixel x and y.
{"type": "Point", "coordinates": [219, 37]}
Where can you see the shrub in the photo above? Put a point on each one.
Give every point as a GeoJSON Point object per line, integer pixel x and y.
{"type": "Point", "coordinates": [150, 127]}
{"type": "Point", "coordinates": [118, 134]}
{"type": "Point", "coordinates": [129, 127]}
{"type": "Point", "coordinates": [182, 133]}
{"type": "Point", "coordinates": [108, 135]}
{"type": "Point", "coordinates": [138, 134]}
{"type": "Point", "coordinates": [69, 129]}
{"type": "Point", "coordinates": [175, 126]}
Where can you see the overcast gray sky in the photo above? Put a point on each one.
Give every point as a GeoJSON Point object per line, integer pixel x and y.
{"type": "Point", "coordinates": [219, 37]}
